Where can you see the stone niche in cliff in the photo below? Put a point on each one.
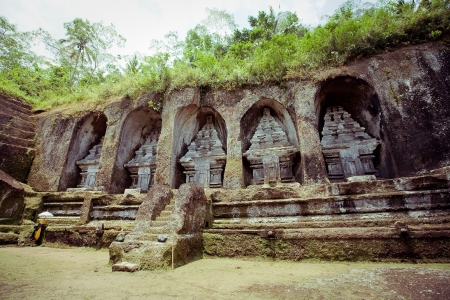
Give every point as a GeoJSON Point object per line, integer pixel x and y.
{"type": "Point", "coordinates": [270, 155]}
{"type": "Point", "coordinates": [142, 167]}
{"type": "Point", "coordinates": [347, 149]}
{"type": "Point", "coordinates": [135, 162]}
{"type": "Point", "coordinates": [89, 166]}
{"type": "Point", "coordinates": [205, 160]}
{"type": "Point", "coordinates": [83, 157]}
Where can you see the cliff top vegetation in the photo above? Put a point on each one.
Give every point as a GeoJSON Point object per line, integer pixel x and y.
{"type": "Point", "coordinates": [215, 54]}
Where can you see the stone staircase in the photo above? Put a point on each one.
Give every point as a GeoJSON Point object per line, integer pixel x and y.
{"type": "Point", "coordinates": [159, 226]}
{"type": "Point", "coordinates": [17, 137]}
{"type": "Point", "coordinates": [65, 207]}
{"type": "Point", "coordinates": [168, 229]}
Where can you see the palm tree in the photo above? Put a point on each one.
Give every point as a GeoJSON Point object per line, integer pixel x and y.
{"type": "Point", "coordinates": [79, 44]}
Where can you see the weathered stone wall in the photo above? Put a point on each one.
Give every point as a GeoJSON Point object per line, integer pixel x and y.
{"type": "Point", "coordinates": [65, 137]}
{"type": "Point", "coordinates": [401, 98]}
{"type": "Point", "coordinates": [17, 138]}
{"type": "Point", "coordinates": [404, 102]}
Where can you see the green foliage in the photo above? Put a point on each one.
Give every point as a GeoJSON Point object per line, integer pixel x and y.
{"type": "Point", "coordinates": [214, 53]}
{"type": "Point", "coordinates": [87, 43]}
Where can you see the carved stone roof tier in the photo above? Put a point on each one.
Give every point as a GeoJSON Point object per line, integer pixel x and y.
{"type": "Point", "coordinates": [269, 139]}
{"type": "Point", "coordinates": [268, 134]}
{"type": "Point", "coordinates": [206, 144]}
{"type": "Point", "coordinates": [341, 131]}
{"type": "Point", "coordinates": [146, 154]}
{"type": "Point", "coordinates": [94, 155]}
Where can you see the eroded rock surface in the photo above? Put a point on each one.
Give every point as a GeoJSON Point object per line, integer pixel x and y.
{"type": "Point", "coordinates": [11, 199]}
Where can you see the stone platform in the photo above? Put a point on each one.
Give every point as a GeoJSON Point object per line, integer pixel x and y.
{"type": "Point", "coordinates": [380, 220]}
{"type": "Point", "coordinates": [400, 219]}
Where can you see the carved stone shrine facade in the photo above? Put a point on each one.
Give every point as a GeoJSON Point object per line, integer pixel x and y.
{"type": "Point", "coordinates": [142, 167]}
{"type": "Point", "coordinates": [270, 154]}
{"type": "Point", "coordinates": [89, 166]}
{"type": "Point", "coordinates": [205, 160]}
{"type": "Point", "coordinates": [347, 149]}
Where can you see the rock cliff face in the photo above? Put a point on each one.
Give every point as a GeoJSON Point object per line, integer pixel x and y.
{"type": "Point", "coordinates": [400, 98]}
{"type": "Point", "coordinates": [353, 163]}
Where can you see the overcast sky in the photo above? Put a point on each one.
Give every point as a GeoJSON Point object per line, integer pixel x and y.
{"type": "Point", "coordinates": [140, 21]}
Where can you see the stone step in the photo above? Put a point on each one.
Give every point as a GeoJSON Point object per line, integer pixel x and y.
{"type": "Point", "coordinates": [9, 130]}
{"type": "Point", "coordinates": [26, 116]}
{"type": "Point", "coordinates": [433, 181]}
{"type": "Point", "coordinates": [15, 104]}
{"type": "Point", "coordinates": [165, 213]}
{"type": "Point", "coordinates": [61, 221]}
{"type": "Point", "coordinates": [12, 228]}
{"type": "Point", "coordinates": [153, 237]}
{"type": "Point", "coordinates": [16, 141]}
{"type": "Point", "coordinates": [16, 122]}
{"type": "Point", "coordinates": [162, 219]}
{"type": "Point", "coordinates": [359, 203]}
{"type": "Point", "coordinates": [388, 232]}
{"type": "Point", "coordinates": [349, 220]}
{"type": "Point", "coordinates": [124, 225]}
{"type": "Point", "coordinates": [158, 223]}
{"type": "Point", "coordinates": [114, 212]}
{"type": "Point", "coordinates": [384, 232]}
{"type": "Point", "coordinates": [156, 229]}
{"type": "Point", "coordinates": [8, 238]}
{"type": "Point", "coordinates": [59, 197]}
{"type": "Point", "coordinates": [64, 209]}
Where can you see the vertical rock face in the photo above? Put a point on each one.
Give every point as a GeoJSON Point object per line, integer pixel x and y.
{"type": "Point", "coordinates": [270, 154]}
{"type": "Point", "coordinates": [142, 167]}
{"type": "Point", "coordinates": [404, 111]}
{"type": "Point", "coordinates": [11, 199]}
{"type": "Point", "coordinates": [348, 150]}
{"type": "Point", "coordinates": [89, 166]}
{"type": "Point", "coordinates": [205, 160]}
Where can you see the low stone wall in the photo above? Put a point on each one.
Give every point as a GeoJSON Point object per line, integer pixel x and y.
{"type": "Point", "coordinates": [342, 247]}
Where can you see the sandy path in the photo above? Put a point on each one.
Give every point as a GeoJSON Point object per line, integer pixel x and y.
{"type": "Point", "coordinates": [78, 273]}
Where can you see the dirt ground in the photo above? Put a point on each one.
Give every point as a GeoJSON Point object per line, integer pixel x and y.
{"type": "Point", "coordinates": [79, 273]}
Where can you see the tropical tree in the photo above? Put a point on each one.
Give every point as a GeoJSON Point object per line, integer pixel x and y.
{"type": "Point", "coordinates": [85, 46]}
{"type": "Point", "coordinates": [211, 38]}
{"type": "Point", "coordinates": [267, 24]}
{"type": "Point", "coordinates": [14, 46]}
